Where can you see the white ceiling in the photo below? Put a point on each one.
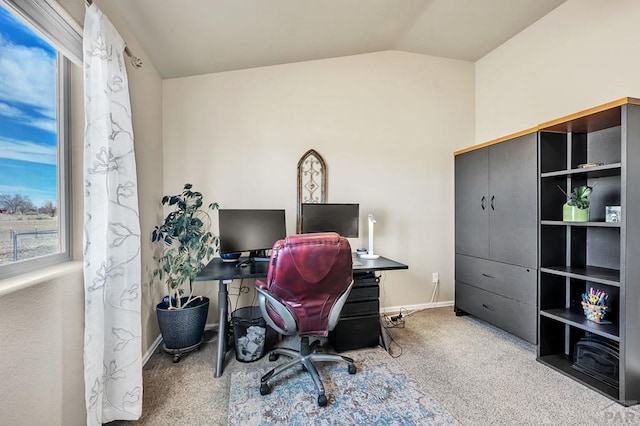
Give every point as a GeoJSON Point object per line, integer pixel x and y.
{"type": "Point", "coordinates": [192, 37]}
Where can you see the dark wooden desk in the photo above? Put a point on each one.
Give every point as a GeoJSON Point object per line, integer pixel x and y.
{"type": "Point", "coordinates": [226, 272]}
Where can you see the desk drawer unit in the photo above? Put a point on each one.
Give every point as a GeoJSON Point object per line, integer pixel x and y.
{"type": "Point", "coordinates": [510, 281]}
{"type": "Point", "coordinates": [509, 314]}
{"type": "Point", "coordinates": [359, 325]}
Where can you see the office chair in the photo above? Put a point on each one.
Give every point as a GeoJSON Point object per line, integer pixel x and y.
{"type": "Point", "coordinates": [308, 281]}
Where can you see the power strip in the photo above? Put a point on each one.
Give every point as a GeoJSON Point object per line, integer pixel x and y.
{"type": "Point", "coordinates": [394, 321]}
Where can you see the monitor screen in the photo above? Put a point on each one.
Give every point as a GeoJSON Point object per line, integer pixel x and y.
{"type": "Point", "coordinates": [340, 218]}
{"type": "Point", "coordinates": [250, 230]}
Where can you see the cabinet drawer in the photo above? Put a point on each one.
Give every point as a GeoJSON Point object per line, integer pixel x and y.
{"type": "Point", "coordinates": [369, 307]}
{"type": "Point", "coordinates": [513, 316]}
{"type": "Point", "coordinates": [364, 293]}
{"type": "Point", "coordinates": [365, 279]}
{"type": "Point", "coordinates": [356, 333]}
{"type": "Point", "coordinates": [513, 282]}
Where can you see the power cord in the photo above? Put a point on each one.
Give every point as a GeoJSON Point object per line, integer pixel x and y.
{"type": "Point", "coordinates": [391, 351]}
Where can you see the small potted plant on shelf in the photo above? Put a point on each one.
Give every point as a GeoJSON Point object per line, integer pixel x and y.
{"type": "Point", "coordinates": [187, 244]}
{"type": "Point", "coordinates": [576, 209]}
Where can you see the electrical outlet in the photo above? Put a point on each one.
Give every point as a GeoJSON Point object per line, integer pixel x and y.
{"type": "Point", "coordinates": [435, 278]}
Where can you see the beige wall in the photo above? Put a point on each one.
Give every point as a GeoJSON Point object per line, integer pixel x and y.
{"type": "Point", "coordinates": [41, 361]}
{"type": "Point", "coordinates": [581, 55]}
{"type": "Point", "coordinates": [386, 123]}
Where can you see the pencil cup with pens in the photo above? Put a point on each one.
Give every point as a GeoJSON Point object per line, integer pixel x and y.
{"type": "Point", "coordinates": [593, 304]}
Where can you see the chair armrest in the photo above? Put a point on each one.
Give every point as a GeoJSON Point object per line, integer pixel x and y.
{"type": "Point", "coordinates": [261, 284]}
{"type": "Point", "coordinates": [289, 325]}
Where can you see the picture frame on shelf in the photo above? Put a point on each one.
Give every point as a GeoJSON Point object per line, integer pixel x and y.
{"type": "Point", "coordinates": [613, 214]}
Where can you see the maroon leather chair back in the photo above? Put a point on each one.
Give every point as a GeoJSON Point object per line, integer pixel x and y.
{"type": "Point", "coordinates": [308, 273]}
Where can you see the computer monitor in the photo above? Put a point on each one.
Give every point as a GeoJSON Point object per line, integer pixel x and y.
{"type": "Point", "coordinates": [249, 230]}
{"type": "Point", "coordinates": [328, 217]}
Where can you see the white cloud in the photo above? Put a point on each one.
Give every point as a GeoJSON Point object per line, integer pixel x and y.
{"type": "Point", "coordinates": [9, 111]}
{"type": "Point", "coordinates": [28, 76]}
{"type": "Point", "coordinates": [45, 123]}
{"type": "Point", "coordinates": [27, 151]}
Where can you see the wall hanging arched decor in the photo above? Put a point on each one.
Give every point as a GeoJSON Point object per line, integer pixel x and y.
{"type": "Point", "coordinates": [312, 181]}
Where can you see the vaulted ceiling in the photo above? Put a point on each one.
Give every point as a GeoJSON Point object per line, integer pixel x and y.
{"type": "Point", "coordinates": [191, 37]}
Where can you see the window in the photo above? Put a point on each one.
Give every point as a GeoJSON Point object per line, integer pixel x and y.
{"type": "Point", "coordinates": [34, 142]}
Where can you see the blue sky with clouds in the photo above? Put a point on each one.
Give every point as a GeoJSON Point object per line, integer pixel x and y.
{"type": "Point", "coordinates": [28, 153]}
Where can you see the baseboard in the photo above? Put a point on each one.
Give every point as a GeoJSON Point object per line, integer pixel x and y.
{"type": "Point", "coordinates": [388, 309]}
{"type": "Point", "coordinates": [156, 343]}
{"type": "Point", "coordinates": [151, 349]}
{"type": "Point", "coordinates": [416, 307]}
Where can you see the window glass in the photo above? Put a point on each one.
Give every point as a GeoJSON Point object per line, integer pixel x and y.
{"type": "Point", "coordinates": [32, 146]}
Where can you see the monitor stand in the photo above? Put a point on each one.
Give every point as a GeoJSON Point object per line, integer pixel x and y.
{"type": "Point", "coordinates": [259, 255]}
{"type": "Point", "coordinates": [254, 256]}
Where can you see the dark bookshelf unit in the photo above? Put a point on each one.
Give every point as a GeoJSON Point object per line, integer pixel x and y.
{"type": "Point", "coordinates": [577, 256]}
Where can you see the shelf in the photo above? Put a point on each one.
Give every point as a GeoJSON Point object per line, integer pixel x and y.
{"type": "Point", "coordinates": [591, 224]}
{"type": "Point", "coordinates": [588, 273]}
{"type": "Point", "coordinates": [562, 363]}
{"type": "Point", "coordinates": [577, 319]}
{"type": "Point", "coordinates": [613, 169]}
{"type": "Point", "coordinates": [601, 252]}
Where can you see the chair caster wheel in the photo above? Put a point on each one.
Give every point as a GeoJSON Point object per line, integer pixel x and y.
{"type": "Point", "coordinates": [176, 358]}
{"type": "Point", "coordinates": [352, 369]}
{"type": "Point", "coordinates": [265, 389]}
{"type": "Point", "coordinates": [273, 357]}
{"type": "Point", "coordinates": [322, 400]}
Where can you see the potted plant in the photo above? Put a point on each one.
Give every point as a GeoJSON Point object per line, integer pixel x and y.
{"type": "Point", "coordinates": [187, 245]}
{"type": "Point", "coordinates": [576, 209]}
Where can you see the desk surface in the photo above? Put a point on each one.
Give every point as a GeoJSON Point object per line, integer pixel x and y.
{"type": "Point", "coordinates": [216, 269]}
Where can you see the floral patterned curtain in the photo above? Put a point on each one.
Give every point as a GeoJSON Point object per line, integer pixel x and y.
{"type": "Point", "coordinates": [112, 272]}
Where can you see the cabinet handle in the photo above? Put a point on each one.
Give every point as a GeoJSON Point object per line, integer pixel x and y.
{"type": "Point", "coordinates": [488, 276]}
{"type": "Point", "coordinates": [491, 308]}
{"type": "Point", "coordinates": [482, 202]}
{"type": "Point", "coordinates": [493, 199]}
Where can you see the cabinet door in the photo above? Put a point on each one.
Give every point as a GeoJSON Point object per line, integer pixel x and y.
{"type": "Point", "coordinates": [513, 201]}
{"type": "Point", "coordinates": [472, 203]}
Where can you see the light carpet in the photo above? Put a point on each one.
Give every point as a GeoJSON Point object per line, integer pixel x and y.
{"type": "Point", "coordinates": [379, 393]}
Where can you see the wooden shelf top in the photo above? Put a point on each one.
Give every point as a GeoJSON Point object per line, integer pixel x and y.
{"type": "Point", "coordinates": [592, 119]}
{"type": "Point", "coordinates": [495, 141]}
{"type": "Point", "coordinates": [589, 120]}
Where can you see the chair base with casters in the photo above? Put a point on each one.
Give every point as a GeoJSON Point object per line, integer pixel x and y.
{"type": "Point", "coordinates": [306, 357]}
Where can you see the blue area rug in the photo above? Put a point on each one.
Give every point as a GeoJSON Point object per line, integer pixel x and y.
{"type": "Point", "coordinates": [380, 393]}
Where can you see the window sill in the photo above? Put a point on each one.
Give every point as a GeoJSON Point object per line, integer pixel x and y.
{"type": "Point", "coordinates": [29, 279]}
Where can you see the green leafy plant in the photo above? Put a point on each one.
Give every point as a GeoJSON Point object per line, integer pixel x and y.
{"type": "Point", "coordinates": [187, 244]}
{"type": "Point", "coordinates": [579, 196]}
